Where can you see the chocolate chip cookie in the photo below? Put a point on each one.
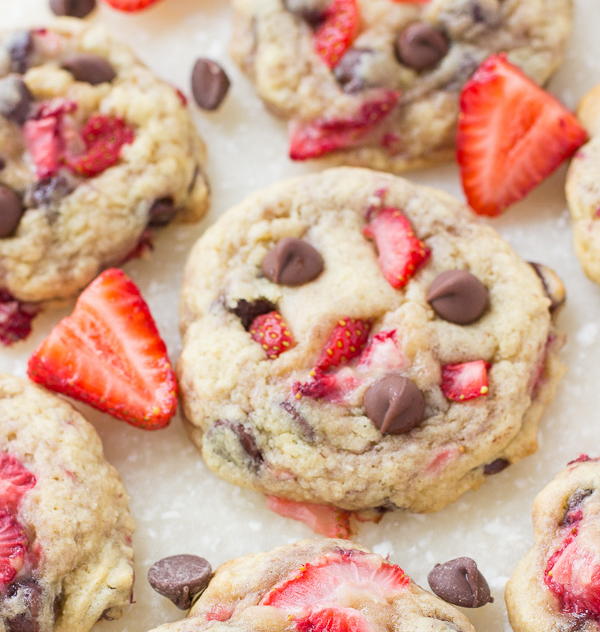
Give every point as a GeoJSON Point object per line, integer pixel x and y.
{"type": "Point", "coordinates": [376, 83]}
{"type": "Point", "coordinates": [65, 527]}
{"type": "Point", "coordinates": [352, 339]}
{"type": "Point", "coordinates": [317, 585]}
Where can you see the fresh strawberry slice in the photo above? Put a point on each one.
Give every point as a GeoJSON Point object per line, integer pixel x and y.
{"type": "Point", "coordinates": [401, 252]}
{"type": "Point", "coordinates": [469, 380]}
{"type": "Point", "coordinates": [13, 547]}
{"type": "Point", "coordinates": [511, 136]}
{"type": "Point", "coordinates": [346, 341]}
{"type": "Point", "coordinates": [337, 31]}
{"type": "Point", "coordinates": [104, 137]}
{"type": "Point", "coordinates": [313, 139]}
{"type": "Point", "coordinates": [130, 6]}
{"type": "Point", "coordinates": [333, 620]}
{"type": "Point", "coordinates": [324, 519]}
{"type": "Point", "coordinates": [271, 331]}
{"type": "Point", "coordinates": [15, 318]}
{"type": "Point", "coordinates": [15, 480]}
{"type": "Point", "coordinates": [337, 578]}
{"type": "Point", "coordinates": [108, 353]}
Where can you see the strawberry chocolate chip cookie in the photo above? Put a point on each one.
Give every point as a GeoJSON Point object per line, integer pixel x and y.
{"type": "Point", "coordinates": [314, 586]}
{"type": "Point", "coordinates": [95, 153]}
{"type": "Point", "coordinates": [376, 83]}
{"type": "Point", "coordinates": [556, 586]}
{"type": "Point", "coordinates": [355, 341]}
{"type": "Point", "coordinates": [65, 527]}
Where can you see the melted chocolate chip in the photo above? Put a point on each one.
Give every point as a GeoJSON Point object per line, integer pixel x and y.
{"type": "Point", "coordinates": [573, 504]}
{"type": "Point", "coordinates": [495, 467]}
{"type": "Point", "coordinates": [394, 404]}
{"type": "Point", "coordinates": [210, 83]}
{"type": "Point", "coordinates": [552, 284]}
{"type": "Point", "coordinates": [73, 8]}
{"type": "Point", "coordinates": [28, 591]}
{"type": "Point", "coordinates": [292, 262]}
{"type": "Point", "coordinates": [162, 211]}
{"type": "Point", "coordinates": [247, 311]}
{"type": "Point", "coordinates": [89, 68]}
{"type": "Point", "coordinates": [458, 297]}
{"type": "Point", "coordinates": [20, 48]}
{"type": "Point", "coordinates": [246, 439]}
{"type": "Point", "coordinates": [180, 578]}
{"type": "Point", "coordinates": [421, 46]}
{"type": "Point", "coordinates": [2, 163]}
{"type": "Point", "coordinates": [348, 71]}
{"type": "Point", "coordinates": [15, 99]}
{"type": "Point", "coordinates": [459, 582]}
{"type": "Point", "coordinates": [311, 11]}
{"type": "Point", "coordinates": [303, 425]}
{"type": "Point", "coordinates": [49, 191]}
{"type": "Point", "coordinates": [11, 211]}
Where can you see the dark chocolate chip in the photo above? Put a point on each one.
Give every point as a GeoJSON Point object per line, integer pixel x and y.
{"type": "Point", "coordinates": [89, 68]}
{"type": "Point", "coordinates": [574, 504]}
{"type": "Point", "coordinates": [495, 467]}
{"type": "Point", "coordinates": [459, 582]}
{"type": "Point", "coordinates": [11, 211]}
{"type": "Point", "coordinates": [292, 262]}
{"type": "Point", "coordinates": [421, 46]}
{"type": "Point", "coordinates": [180, 578]}
{"type": "Point", "coordinates": [552, 284]}
{"type": "Point", "coordinates": [458, 297]}
{"type": "Point", "coordinates": [26, 591]}
{"type": "Point", "coordinates": [20, 47]}
{"type": "Point", "coordinates": [247, 311]}
{"type": "Point", "coordinates": [162, 211]}
{"type": "Point", "coordinates": [210, 83]}
{"type": "Point", "coordinates": [2, 163]}
{"type": "Point", "coordinates": [49, 191]}
{"type": "Point", "coordinates": [303, 425]}
{"type": "Point", "coordinates": [348, 70]}
{"type": "Point", "coordinates": [73, 8]}
{"type": "Point", "coordinates": [311, 11]}
{"type": "Point", "coordinates": [15, 99]}
{"type": "Point", "coordinates": [394, 404]}
{"type": "Point", "coordinates": [246, 439]}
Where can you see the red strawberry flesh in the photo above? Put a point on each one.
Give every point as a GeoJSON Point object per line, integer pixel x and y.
{"type": "Point", "coordinates": [15, 481]}
{"type": "Point", "coordinates": [130, 6]}
{"type": "Point", "coordinates": [13, 547]}
{"type": "Point", "coordinates": [465, 381]}
{"type": "Point", "coordinates": [337, 32]}
{"type": "Point", "coordinates": [333, 620]}
{"type": "Point", "coordinates": [272, 333]}
{"type": "Point", "coordinates": [15, 318]}
{"type": "Point", "coordinates": [346, 341]}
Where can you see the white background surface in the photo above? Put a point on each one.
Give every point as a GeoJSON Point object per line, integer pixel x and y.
{"type": "Point", "coordinates": [182, 508]}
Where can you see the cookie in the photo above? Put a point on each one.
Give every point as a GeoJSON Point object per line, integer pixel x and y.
{"type": "Point", "coordinates": [376, 83]}
{"type": "Point", "coordinates": [65, 552]}
{"type": "Point", "coordinates": [317, 585]}
{"type": "Point", "coordinates": [95, 152]}
{"type": "Point", "coordinates": [555, 586]}
{"type": "Point", "coordinates": [350, 338]}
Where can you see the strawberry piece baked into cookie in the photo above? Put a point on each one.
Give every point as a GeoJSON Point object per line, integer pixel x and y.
{"type": "Point", "coordinates": [556, 586]}
{"type": "Point", "coordinates": [317, 586]}
{"type": "Point", "coordinates": [95, 153]}
{"type": "Point", "coordinates": [376, 83]}
{"type": "Point", "coordinates": [354, 340]}
{"type": "Point", "coordinates": [65, 527]}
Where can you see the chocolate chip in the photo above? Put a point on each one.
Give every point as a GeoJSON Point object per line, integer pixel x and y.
{"type": "Point", "coordinates": [311, 11]}
{"type": "Point", "coordinates": [210, 83]}
{"type": "Point", "coordinates": [11, 210]}
{"type": "Point", "coordinates": [162, 211]}
{"type": "Point", "coordinates": [394, 404]}
{"type": "Point", "coordinates": [15, 99]}
{"type": "Point", "coordinates": [552, 284]}
{"type": "Point", "coordinates": [49, 191]}
{"type": "Point", "coordinates": [421, 46]}
{"type": "Point", "coordinates": [458, 297]}
{"type": "Point", "coordinates": [2, 163]}
{"type": "Point", "coordinates": [89, 68]}
{"type": "Point", "coordinates": [495, 467]}
{"type": "Point", "coordinates": [305, 428]}
{"type": "Point", "coordinates": [29, 592]}
{"type": "Point", "coordinates": [72, 8]}
{"type": "Point", "coordinates": [247, 311]}
{"type": "Point", "coordinates": [20, 48]}
{"type": "Point", "coordinates": [348, 70]}
{"type": "Point", "coordinates": [574, 504]}
{"type": "Point", "coordinates": [245, 438]}
{"type": "Point", "coordinates": [292, 262]}
{"type": "Point", "coordinates": [459, 582]}
{"type": "Point", "coordinates": [180, 578]}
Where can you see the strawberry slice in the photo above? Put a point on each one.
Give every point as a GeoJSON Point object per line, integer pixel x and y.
{"type": "Point", "coordinates": [336, 33]}
{"type": "Point", "coordinates": [333, 620]}
{"type": "Point", "coordinates": [130, 6]}
{"type": "Point", "coordinates": [338, 578]}
{"type": "Point", "coordinates": [15, 480]}
{"type": "Point", "coordinates": [271, 331]}
{"type": "Point", "coordinates": [469, 380]}
{"type": "Point", "coordinates": [13, 547]}
{"type": "Point", "coordinates": [108, 353]}
{"type": "Point", "coordinates": [346, 341]}
{"type": "Point", "coordinates": [316, 138]}
{"type": "Point", "coordinates": [401, 252]}
{"type": "Point", "coordinates": [324, 519]}
{"type": "Point", "coordinates": [511, 136]}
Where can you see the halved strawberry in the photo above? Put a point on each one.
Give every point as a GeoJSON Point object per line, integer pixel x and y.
{"type": "Point", "coordinates": [15, 480]}
{"type": "Point", "coordinates": [333, 620]}
{"type": "Point", "coordinates": [130, 6]}
{"type": "Point", "coordinates": [324, 519]}
{"type": "Point", "coordinates": [346, 341]}
{"type": "Point", "coordinates": [337, 31]}
{"type": "Point", "coordinates": [271, 331]}
{"type": "Point", "coordinates": [13, 547]}
{"type": "Point", "coordinates": [469, 380]}
{"type": "Point", "coordinates": [401, 252]}
{"type": "Point", "coordinates": [108, 353]}
{"type": "Point", "coordinates": [335, 580]}
{"type": "Point", "coordinates": [511, 136]}
{"type": "Point", "coordinates": [313, 139]}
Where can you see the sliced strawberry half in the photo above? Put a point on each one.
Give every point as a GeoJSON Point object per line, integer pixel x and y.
{"type": "Point", "coordinates": [324, 519]}
{"type": "Point", "coordinates": [272, 333]}
{"type": "Point", "coordinates": [15, 480]}
{"type": "Point", "coordinates": [346, 341]}
{"type": "Point", "coordinates": [333, 620]}
{"type": "Point", "coordinates": [401, 252]}
{"type": "Point", "coordinates": [338, 30]}
{"type": "Point", "coordinates": [468, 380]}
{"type": "Point", "coordinates": [511, 136]}
{"type": "Point", "coordinates": [108, 353]}
{"type": "Point", "coordinates": [313, 139]}
{"type": "Point", "coordinates": [13, 547]}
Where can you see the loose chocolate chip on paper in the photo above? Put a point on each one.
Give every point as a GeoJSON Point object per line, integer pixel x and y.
{"type": "Point", "coordinates": [460, 582]}
{"type": "Point", "coordinates": [458, 297]}
{"type": "Point", "coordinates": [495, 467]}
{"type": "Point", "coordinates": [89, 68]}
{"type": "Point", "coordinates": [180, 578]}
{"type": "Point", "coordinates": [162, 211]}
{"type": "Point", "coordinates": [292, 262]}
{"type": "Point", "coordinates": [210, 83]}
{"type": "Point", "coordinates": [15, 99]}
{"type": "Point", "coordinates": [73, 8]}
{"type": "Point", "coordinates": [11, 210]}
{"type": "Point", "coordinates": [421, 46]}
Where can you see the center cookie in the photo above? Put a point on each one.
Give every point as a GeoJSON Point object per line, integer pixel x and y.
{"type": "Point", "coordinates": [353, 339]}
